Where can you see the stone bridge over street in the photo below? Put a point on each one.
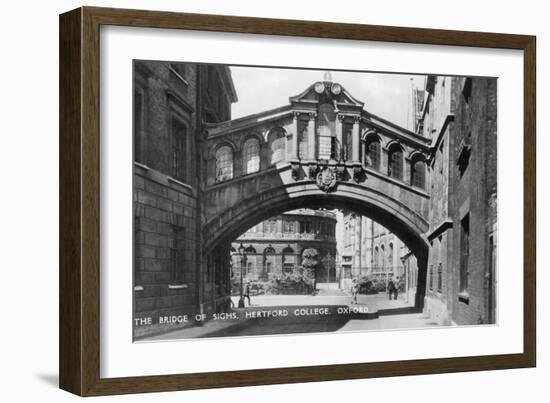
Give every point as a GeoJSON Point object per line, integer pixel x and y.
{"type": "Point", "coordinates": [323, 150]}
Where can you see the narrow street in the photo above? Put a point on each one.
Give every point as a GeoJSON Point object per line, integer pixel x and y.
{"type": "Point", "coordinates": [392, 314]}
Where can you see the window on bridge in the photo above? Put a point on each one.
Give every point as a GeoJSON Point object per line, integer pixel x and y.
{"type": "Point", "coordinates": [276, 144]}
{"type": "Point", "coordinates": [347, 140]}
{"type": "Point", "coordinates": [418, 172]}
{"type": "Point", "coordinates": [224, 164]}
{"type": "Point", "coordinates": [251, 156]}
{"type": "Point", "coordinates": [327, 132]}
{"type": "Point", "coordinates": [395, 162]}
{"type": "Point", "coordinates": [372, 153]}
{"type": "Point", "coordinates": [303, 136]}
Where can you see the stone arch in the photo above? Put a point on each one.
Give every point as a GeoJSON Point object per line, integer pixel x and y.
{"type": "Point", "coordinates": [225, 142]}
{"type": "Point", "coordinates": [393, 214]}
{"type": "Point", "coordinates": [417, 154]}
{"type": "Point", "coordinates": [393, 144]}
{"type": "Point", "coordinates": [370, 133]}
{"type": "Point", "coordinates": [253, 134]}
{"type": "Point", "coordinates": [383, 255]}
{"type": "Point", "coordinates": [377, 257]}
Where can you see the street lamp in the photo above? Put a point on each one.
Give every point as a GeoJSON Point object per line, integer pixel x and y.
{"type": "Point", "coordinates": [242, 251]}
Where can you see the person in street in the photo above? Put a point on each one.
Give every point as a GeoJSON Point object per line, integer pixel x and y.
{"type": "Point", "coordinates": [398, 285]}
{"type": "Point", "coordinates": [247, 293]}
{"type": "Point", "coordinates": [392, 288]}
{"type": "Point", "coordinates": [354, 291]}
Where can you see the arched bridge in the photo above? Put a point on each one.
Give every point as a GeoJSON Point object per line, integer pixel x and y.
{"type": "Point", "coordinates": [323, 149]}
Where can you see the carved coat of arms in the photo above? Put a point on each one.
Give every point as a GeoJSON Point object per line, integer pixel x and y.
{"type": "Point", "coordinates": [326, 179]}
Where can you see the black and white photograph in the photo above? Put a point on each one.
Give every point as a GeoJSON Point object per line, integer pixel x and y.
{"type": "Point", "coordinates": [271, 200]}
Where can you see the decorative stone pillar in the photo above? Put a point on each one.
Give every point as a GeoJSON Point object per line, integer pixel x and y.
{"type": "Point", "coordinates": [355, 140]}
{"type": "Point", "coordinates": [312, 143]}
{"type": "Point", "coordinates": [294, 143]}
{"type": "Point", "coordinates": [339, 143]}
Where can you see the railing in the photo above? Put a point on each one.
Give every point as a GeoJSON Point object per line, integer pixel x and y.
{"type": "Point", "coordinates": [376, 272]}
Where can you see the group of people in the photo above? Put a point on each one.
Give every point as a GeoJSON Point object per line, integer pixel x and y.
{"type": "Point", "coordinates": [394, 284]}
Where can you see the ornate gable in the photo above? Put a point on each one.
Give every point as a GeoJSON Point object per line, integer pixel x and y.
{"type": "Point", "coordinates": [326, 91]}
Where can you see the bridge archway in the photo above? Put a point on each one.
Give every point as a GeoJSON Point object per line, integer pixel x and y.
{"type": "Point", "coordinates": [397, 217]}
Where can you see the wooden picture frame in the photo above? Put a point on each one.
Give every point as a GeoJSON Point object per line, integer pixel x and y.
{"type": "Point", "coordinates": [79, 346]}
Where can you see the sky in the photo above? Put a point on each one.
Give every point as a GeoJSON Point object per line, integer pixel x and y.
{"type": "Point", "coordinates": [386, 95]}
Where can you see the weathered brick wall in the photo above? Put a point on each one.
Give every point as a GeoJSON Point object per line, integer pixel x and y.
{"type": "Point", "coordinates": [474, 193]}
{"type": "Point", "coordinates": [165, 223]}
{"type": "Point", "coordinates": [438, 299]}
{"type": "Point", "coordinates": [453, 195]}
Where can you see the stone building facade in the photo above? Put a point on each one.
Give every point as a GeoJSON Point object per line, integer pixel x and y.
{"type": "Point", "coordinates": [275, 246]}
{"type": "Point", "coordinates": [370, 249]}
{"type": "Point", "coordinates": [460, 116]}
{"type": "Point", "coordinates": [172, 103]}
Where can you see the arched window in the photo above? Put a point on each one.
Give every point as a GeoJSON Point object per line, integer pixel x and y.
{"type": "Point", "coordinates": [372, 153]}
{"type": "Point", "coordinates": [251, 156]}
{"type": "Point", "coordinates": [326, 128]}
{"type": "Point", "coordinates": [376, 257]}
{"type": "Point", "coordinates": [383, 255]}
{"type": "Point", "coordinates": [418, 172]}
{"type": "Point", "coordinates": [395, 162]}
{"type": "Point", "coordinates": [224, 163]}
{"type": "Point", "coordinates": [288, 251]}
{"type": "Point", "coordinates": [269, 261]}
{"type": "Point", "coordinates": [276, 143]}
{"type": "Point", "coordinates": [390, 255]}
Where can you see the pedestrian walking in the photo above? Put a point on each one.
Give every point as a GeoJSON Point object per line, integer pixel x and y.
{"type": "Point", "coordinates": [398, 286]}
{"type": "Point", "coordinates": [247, 293]}
{"type": "Point", "coordinates": [354, 291]}
{"type": "Point", "coordinates": [392, 288]}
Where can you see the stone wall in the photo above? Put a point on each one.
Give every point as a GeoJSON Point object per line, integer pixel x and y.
{"type": "Point", "coordinates": [475, 191]}
{"type": "Point", "coordinates": [172, 103]}
{"type": "Point", "coordinates": [463, 190]}
{"type": "Point", "coordinates": [165, 247]}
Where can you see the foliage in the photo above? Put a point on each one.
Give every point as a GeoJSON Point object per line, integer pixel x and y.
{"type": "Point", "coordinates": [366, 285]}
{"type": "Point", "coordinates": [310, 258]}
{"type": "Point", "coordinates": [298, 282]}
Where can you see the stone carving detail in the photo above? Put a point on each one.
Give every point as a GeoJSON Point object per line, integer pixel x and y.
{"type": "Point", "coordinates": [358, 173]}
{"type": "Point", "coordinates": [295, 167]}
{"type": "Point", "coordinates": [326, 179]}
